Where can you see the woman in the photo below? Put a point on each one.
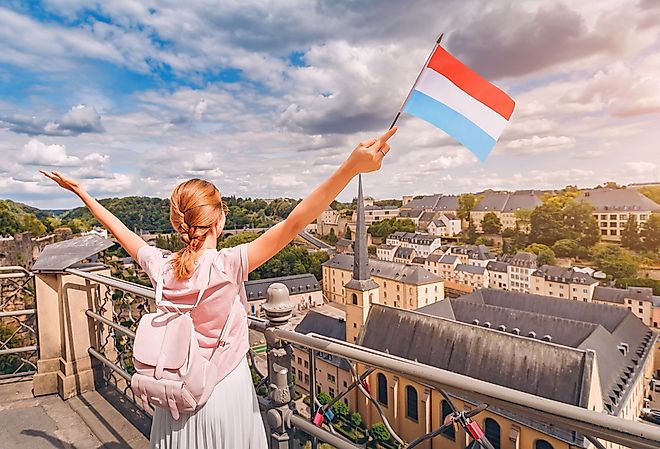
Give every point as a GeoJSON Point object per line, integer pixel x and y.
{"type": "Point", "coordinates": [230, 419]}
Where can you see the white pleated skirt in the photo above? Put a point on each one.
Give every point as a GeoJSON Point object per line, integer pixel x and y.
{"type": "Point", "coordinates": [229, 420]}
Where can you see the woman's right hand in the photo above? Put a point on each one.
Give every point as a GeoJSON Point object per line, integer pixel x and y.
{"type": "Point", "coordinates": [64, 182]}
{"type": "Point", "coordinates": [368, 155]}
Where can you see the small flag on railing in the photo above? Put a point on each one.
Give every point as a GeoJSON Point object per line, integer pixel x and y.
{"type": "Point", "coordinates": [451, 96]}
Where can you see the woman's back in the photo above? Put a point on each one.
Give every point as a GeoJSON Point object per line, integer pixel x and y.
{"type": "Point", "coordinates": [220, 274]}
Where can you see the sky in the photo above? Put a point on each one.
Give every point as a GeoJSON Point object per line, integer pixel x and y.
{"type": "Point", "coordinates": [267, 98]}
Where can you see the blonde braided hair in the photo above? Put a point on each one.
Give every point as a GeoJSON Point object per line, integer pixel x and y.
{"type": "Point", "coordinates": [195, 207]}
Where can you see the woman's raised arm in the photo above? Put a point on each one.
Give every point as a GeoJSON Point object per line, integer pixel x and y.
{"type": "Point", "coordinates": [366, 157]}
{"type": "Point", "coordinates": [129, 240]}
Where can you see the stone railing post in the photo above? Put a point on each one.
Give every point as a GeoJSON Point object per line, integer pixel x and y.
{"type": "Point", "coordinates": [66, 333]}
{"type": "Point", "coordinates": [278, 308]}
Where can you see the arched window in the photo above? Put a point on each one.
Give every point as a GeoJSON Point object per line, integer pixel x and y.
{"type": "Point", "coordinates": [492, 430]}
{"type": "Point", "coordinates": [382, 389]}
{"type": "Point", "coordinates": [354, 299]}
{"type": "Point", "coordinates": [411, 403]}
{"type": "Point", "coordinates": [371, 298]}
{"type": "Point", "coordinates": [542, 444]}
{"type": "Point", "coordinates": [446, 411]}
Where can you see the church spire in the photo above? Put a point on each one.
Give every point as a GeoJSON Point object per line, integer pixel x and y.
{"type": "Point", "coordinates": [360, 248]}
{"type": "Point", "coordinates": [361, 279]}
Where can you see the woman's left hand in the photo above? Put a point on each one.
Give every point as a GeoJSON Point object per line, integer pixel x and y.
{"type": "Point", "coordinates": [64, 182]}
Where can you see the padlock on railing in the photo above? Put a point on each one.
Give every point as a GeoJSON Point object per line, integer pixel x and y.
{"type": "Point", "coordinates": [474, 430]}
{"type": "Point", "coordinates": [318, 417]}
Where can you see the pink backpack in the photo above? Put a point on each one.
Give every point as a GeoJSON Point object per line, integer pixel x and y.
{"type": "Point", "coordinates": [170, 370]}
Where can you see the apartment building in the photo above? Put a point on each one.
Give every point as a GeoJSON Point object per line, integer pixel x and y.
{"type": "Point", "coordinates": [613, 207]}
{"type": "Point", "coordinates": [423, 244]}
{"type": "Point", "coordinates": [304, 289]}
{"type": "Point", "coordinates": [471, 254]}
{"type": "Point", "coordinates": [560, 282]}
{"type": "Point", "coordinates": [498, 275]}
{"type": "Point", "coordinates": [519, 270]}
{"type": "Point", "coordinates": [444, 225]}
{"type": "Point", "coordinates": [639, 300]}
{"type": "Point", "coordinates": [505, 206]}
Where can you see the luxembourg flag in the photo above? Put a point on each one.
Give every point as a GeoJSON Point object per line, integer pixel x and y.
{"type": "Point", "coordinates": [456, 99]}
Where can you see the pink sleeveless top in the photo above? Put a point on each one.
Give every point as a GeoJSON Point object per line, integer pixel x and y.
{"type": "Point", "coordinates": [228, 270]}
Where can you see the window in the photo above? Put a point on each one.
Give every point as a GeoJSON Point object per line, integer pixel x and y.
{"type": "Point", "coordinates": [331, 378]}
{"type": "Point", "coordinates": [354, 299]}
{"type": "Point", "coordinates": [612, 217]}
{"type": "Point", "coordinates": [299, 361]}
{"type": "Point", "coordinates": [382, 389]}
{"type": "Point", "coordinates": [300, 375]}
{"type": "Point", "coordinates": [492, 431]}
{"type": "Point", "coordinates": [542, 444]}
{"type": "Point", "coordinates": [446, 411]}
{"type": "Point", "coordinates": [345, 384]}
{"type": "Point", "coordinates": [307, 378]}
{"type": "Point", "coordinates": [411, 403]}
{"type": "Point", "coordinates": [306, 363]}
{"type": "Point", "coordinates": [332, 392]}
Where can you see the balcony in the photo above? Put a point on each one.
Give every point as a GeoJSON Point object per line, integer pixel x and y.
{"type": "Point", "coordinates": [69, 377]}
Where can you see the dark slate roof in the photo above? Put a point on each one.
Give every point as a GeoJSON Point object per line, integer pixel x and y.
{"type": "Point", "coordinates": [447, 202]}
{"type": "Point", "coordinates": [327, 326]}
{"type": "Point", "coordinates": [408, 274]}
{"type": "Point", "coordinates": [425, 202]}
{"type": "Point", "coordinates": [521, 259]}
{"type": "Point", "coordinates": [521, 201]}
{"type": "Point", "coordinates": [495, 265]}
{"type": "Point", "coordinates": [618, 200]}
{"type": "Point", "coordinates": [420, 260]}
{"type": "Point", "coordinates": [492, 202]}
{"type": "Point", "coordinates": [447, 258]}
{"type": "Point", "coordinates": [427, 216]}
{"type": "Point", "coordinates": [470, 268]}
{"type": "Point", "coordinates": [550, 371]}
{"type": "Point", "coordinates": [572, 324]}
{"type": "Point", "coordinates": [372, 207]}
{"type": "Point", "coordinates": [403, 252]}
{"type": "Point", "coordinates": [297, 284]}
{"type": "Point", "coordinates": [619, 295]}
{"type": "Point", "coordinates": [414, 213]}
{"type": "Point", "coordinates": [386, 246]}
{"type": "Point", "coordinates": [564, 275]}
{"type": "Point", "coordinates": [476, 252]}
{"type": "Point", "coordinates": [344, 242]}
{"type": "Point", "coordinates": [438, 223]}
{"type": "Point", "coordinates": [451, 216]}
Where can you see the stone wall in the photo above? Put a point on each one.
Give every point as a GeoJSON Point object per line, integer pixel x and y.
{"type": "Point", "coordinates": [23, 249]}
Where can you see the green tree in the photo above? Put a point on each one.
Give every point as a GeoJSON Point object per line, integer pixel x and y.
{"type": "Point", "coordinates": [386, 227]}
{"type": "Point", "coordinates": [630, 237]}
{"type": "Point", "coordinates": [356, 419]}
{"type": "Point", "coordinates": [51, 223]}
{"type": "Point", "coordinates": [546, 224]}
{"type": "Point", "coordinates": [491, 223]}
{"type": "Point", "coordinates": [9, 219]}
{"type": "Point", "coordinates": [580, 223]}
{"type": "Point", "coordinates": [652, 192]}
{"type": "Point", "coordinates": [466, 203]}
{"type": "Point", "coordinates": [615, 261]}
{"type": "Point", "coordinates": [545, 254]}
{"type": "Point", "coordinates": [568, 248]}
{"type": "Point", "coordinates": [470, 234]}
{"type": "Point", "coordinates": [332, 237]}
{"type": "Point", "coordinates": [523, 218]}
{"type": "Point", "coordinates": [347, 234]}
{"type": "Point", "coordinates": [31, 224]}
{"type": "Point", "coordinates": [237, 239]}
{"type": "Point", "coordinates": [380, 432]}
{"type": "Point", "coordinates": [341, 410]}
{"type": "Point", "coordinates": [651, 233]}
{"type": "Point", "coordinates": [324, 398]}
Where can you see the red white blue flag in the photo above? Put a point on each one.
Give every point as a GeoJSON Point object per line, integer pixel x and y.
{"type": "Point", "coordinates": [451, 96]}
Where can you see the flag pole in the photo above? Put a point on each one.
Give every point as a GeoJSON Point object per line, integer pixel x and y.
{"type": "Point", "coordinates": [398, 114]}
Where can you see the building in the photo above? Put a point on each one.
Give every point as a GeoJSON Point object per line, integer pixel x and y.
{"type": "Point", "coordinates": [519, 269]}
{"type": "Point", "coordinates": [580, 353]}
{"type": "Point", "coordinates": [639, 300]}
{"type": "Point", "coordinates": [305, 291]}
{"type": "Point", "coordinates": [404, 255]}
{"type": "Point", "coordinates": [386, 251]}
{"type": "Point", "coordinates": [344, 246]}
{"type": "Point", "coordinates": [445, 225]}
{"type": "Point", "coordinates": [613, 207]}
{"type": "Point", "coordinates": [499, 274]}
{"type": "Point", "coordinates": [471, 254]}
{"type": "Point", "coordinates": [332, 373]}
{"type": "Point", "coordinates": [560, 282]}
{"type": "Point", "coordinates": [425, 203]}
{"type": "Point", "coordinates": [473, 276]}
{"type": "Point", "coordinates": [506, 206]}
{"type": "Point", "coordinates": [423, 244]}
{"type": "Point", "coordinates": [372, 213]}
{"type": "Point", "coordinates": [413, 214]}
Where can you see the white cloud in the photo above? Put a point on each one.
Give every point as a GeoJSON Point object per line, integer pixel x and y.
{"type": "Point", "coordinates": [36, 152]}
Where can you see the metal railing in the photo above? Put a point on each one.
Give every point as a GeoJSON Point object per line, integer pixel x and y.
{"type": "Point", "coordinates": [279, 408]}
{"type": "Point", "coordinates": [18, 323]}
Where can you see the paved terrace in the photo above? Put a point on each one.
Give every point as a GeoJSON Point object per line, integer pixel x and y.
{"type": "Point", "coordinates": [92, 420]}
